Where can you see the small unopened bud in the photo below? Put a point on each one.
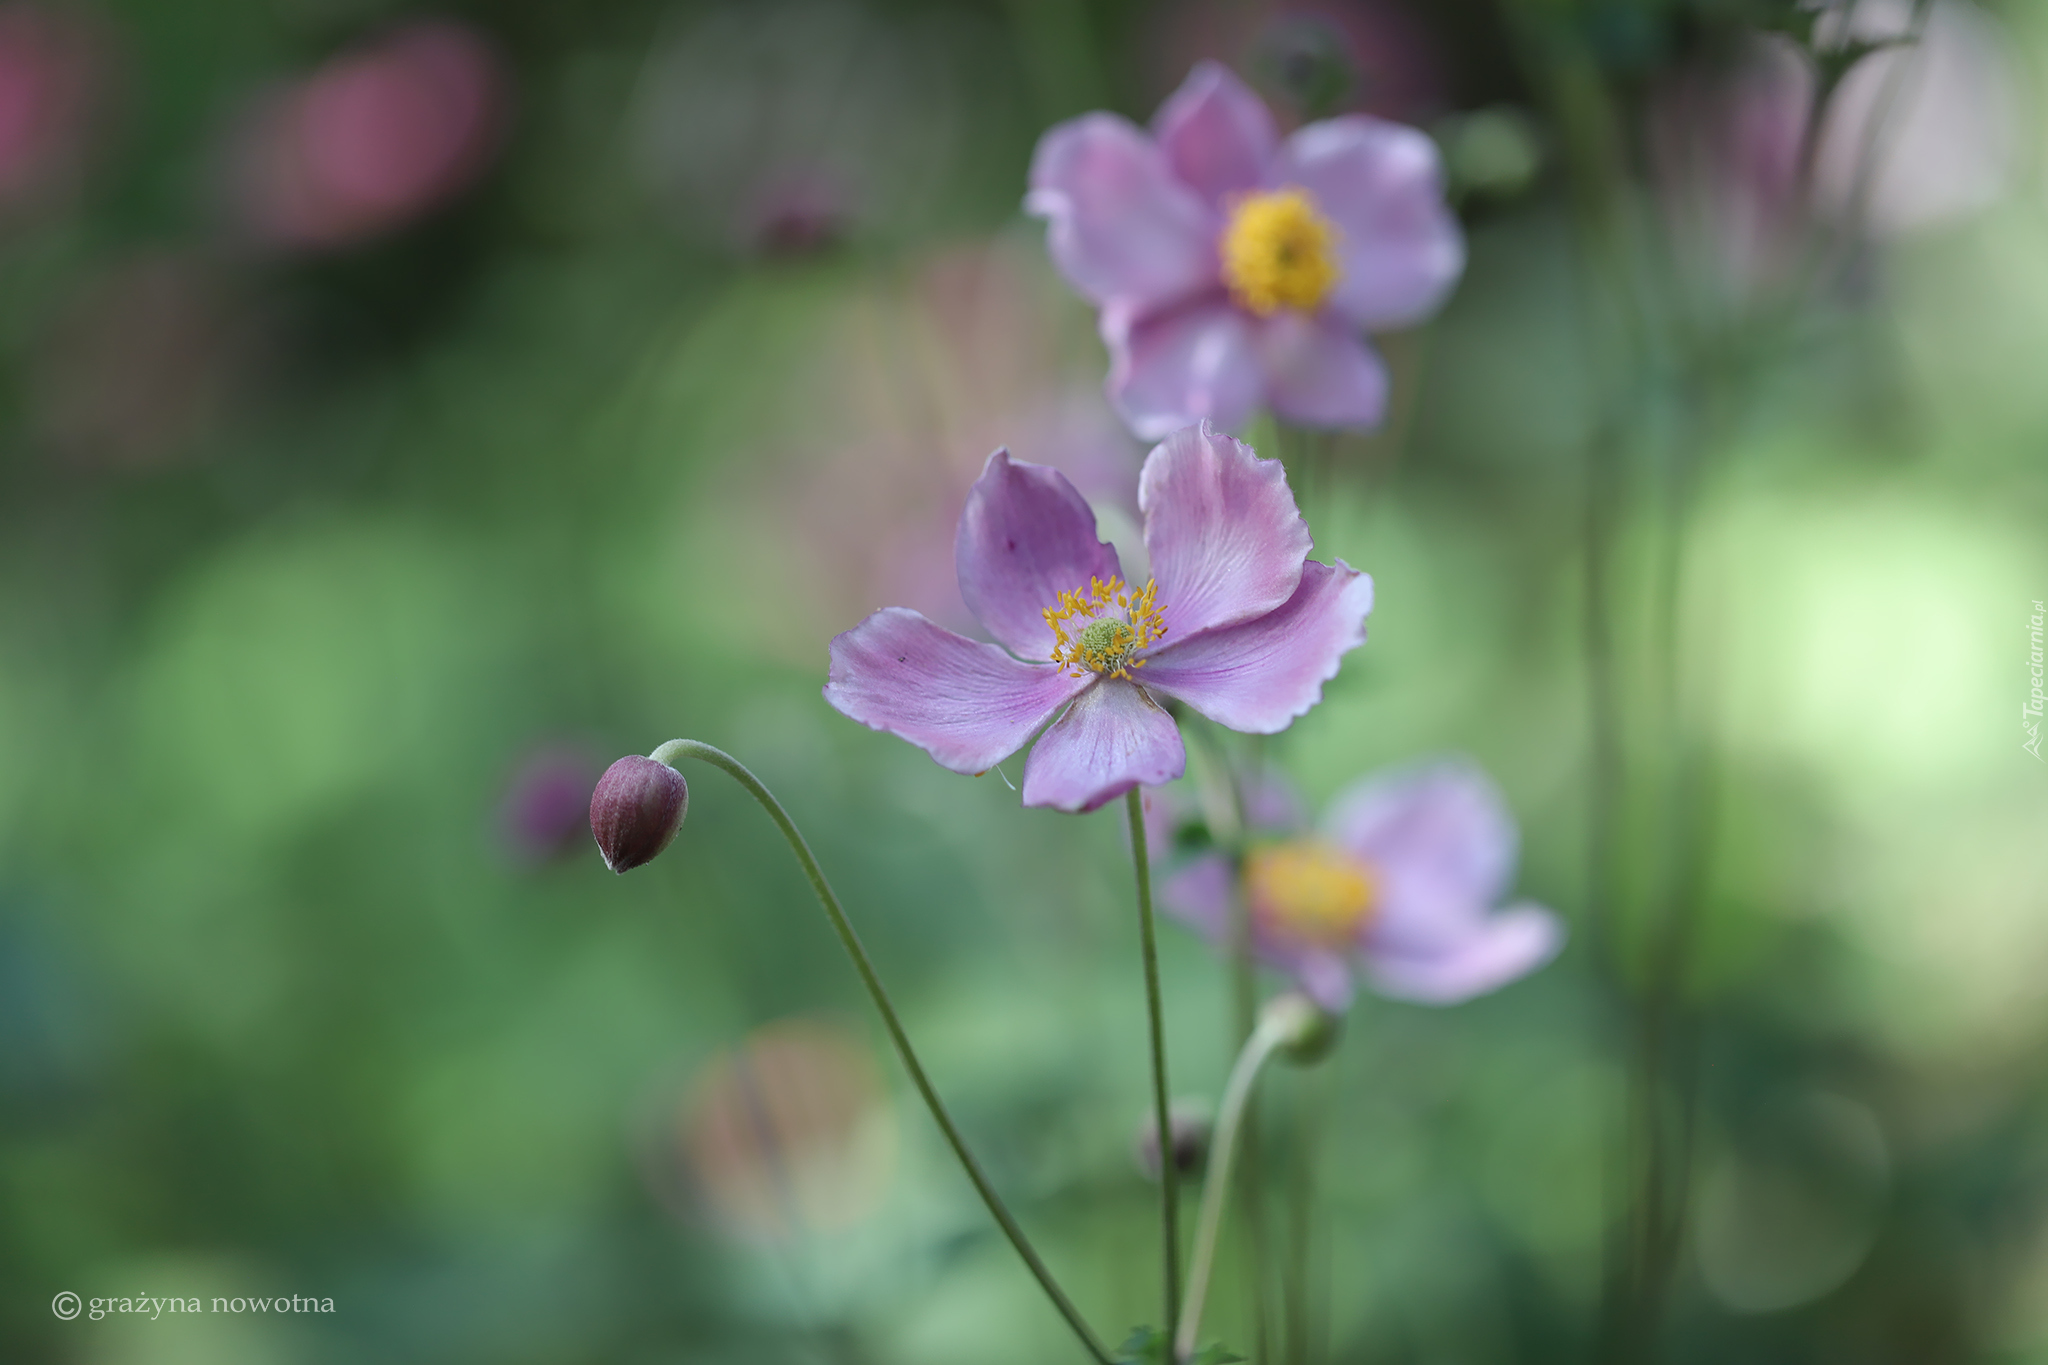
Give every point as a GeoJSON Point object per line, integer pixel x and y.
{"type": "Point", "coordinates": [637, 808]}
{"type": "Point", "coordinates": [1190, 1122]}
{"type": "Point", "coordinates": [1306, 1031]}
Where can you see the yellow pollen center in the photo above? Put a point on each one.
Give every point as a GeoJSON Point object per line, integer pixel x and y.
{"type": "Point", "coordinates": [1308, 890]}
{"type": "Point", "coordinates": [1278, 252]}
{"type": "Point", "coordinates": [1101, 628]}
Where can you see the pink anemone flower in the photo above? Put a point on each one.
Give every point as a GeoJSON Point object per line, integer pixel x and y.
{"type": "Point", "coordinates": [374, 139]}
{"type": "Point", "coordinates": [1236, 621]}
{"type": "Point", "coordinates": [1235, 269]}
{"type": "Point", "coordinates": [1398, 883]}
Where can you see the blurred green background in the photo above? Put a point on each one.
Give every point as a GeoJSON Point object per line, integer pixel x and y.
{"type": "Point", "coordinates": [338, 554]}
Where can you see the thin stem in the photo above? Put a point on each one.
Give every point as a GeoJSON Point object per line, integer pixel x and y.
{"type": "Point", "coordinates": [1236, 1092]}
{"type": "Point", "coordinates": [676, 749]}
{"type": "Point", "coordinates": [1308, 1123]}
{"type": "Point", "coordinates": [1224, 810]}
{"type": "Point", "coordinates": [1250, 1192]}
{"type": "Point", "coordinates": [1169, 1178]}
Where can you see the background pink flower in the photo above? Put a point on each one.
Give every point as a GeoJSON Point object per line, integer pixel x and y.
{"type": "Point", "coordinates": [374, 139]}
{"type": "Point", "coordinates": [1397, 882]}
{"type": "Point", "coordinates": [50, 70]}
{"type": "Point", "coordinates": [545, 810]}
{"type": "Point", "coordinates": [1236, 270]}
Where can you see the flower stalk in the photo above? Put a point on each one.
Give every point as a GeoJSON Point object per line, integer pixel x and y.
{"type": "Point", "coordinates": [1288, 1022]}
{"type": "Point", "coordinates": [677, 749]}
{"type": "Point", "coordinates": [1169, 1179]}
{"type": "Point", "coordinates": [1221, 788]}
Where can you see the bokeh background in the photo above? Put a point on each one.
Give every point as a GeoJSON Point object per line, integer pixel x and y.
{"type": "Point", "coordinates": [405, 412]}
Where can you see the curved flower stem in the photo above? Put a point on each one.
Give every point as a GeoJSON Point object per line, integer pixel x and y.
{"type": "Point", "coordinates": [1236, 1095]}
{"type": "Point", "coordinates": [1169, 1178]}
{"type": "Point", "coordinates": [689, 748]}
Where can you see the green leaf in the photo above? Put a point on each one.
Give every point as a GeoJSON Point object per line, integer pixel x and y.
{"type": "Point", "coordinates": [1144, 1346]}
{"type": "Point", "coordinates": [1148, 1346]}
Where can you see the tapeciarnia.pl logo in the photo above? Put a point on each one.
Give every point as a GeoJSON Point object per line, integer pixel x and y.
{"type": "Point", "coordinates": [2030, 713]}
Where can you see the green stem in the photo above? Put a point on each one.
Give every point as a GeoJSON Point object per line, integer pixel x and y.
{"type": "Point", "coordinates": [676, 749]}
{"type": "Point", "coordinates": [1236, 1093]}
{"type": "Point", "coordinates": [1169, 1178]}
{"type": "Point", "coordinates": [1250, 1193]}
{"type": "Point", "coordinates": [1303, 1334]}
{"type": "Point", "coordinates": [1222, 789]}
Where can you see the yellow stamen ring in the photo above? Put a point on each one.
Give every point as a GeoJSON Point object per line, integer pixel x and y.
{"type": "Point", "coordinates": [1112, 623]}
{"type": "Point", "coordinates": [1279, 252]}
{"type": "Point", "coordinates": [1306, 889]}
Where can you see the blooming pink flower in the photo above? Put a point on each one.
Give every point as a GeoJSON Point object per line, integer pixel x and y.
{"type": "Point", "coordinates": [374, 139]}
{"type": "Point", "coordinates": [1235, 269]}
{"type": "Point", "coordinates": [1236, 621]}
{"type": "Point", "coordinates": [1398, 882]}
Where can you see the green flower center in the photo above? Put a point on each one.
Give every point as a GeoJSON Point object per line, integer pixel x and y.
{"type": "Point", "coordinates": [1120, 623]}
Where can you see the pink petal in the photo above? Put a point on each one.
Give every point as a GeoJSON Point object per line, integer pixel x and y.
{"type": "Point", "coordinates": [1441, 835]}
{"type": "Point", "coordinates": [1025, 537]}
{"type": "Point", "coordinates": [1322, 974]}
{"type": "Point", "coordinates": [1203, 894]}
{"type": "Point", "coordinates": [1257, 677]}
{"type": "Point", "coordinates": [1225, 538]}
{"type": "Point", "coordinates": [967, 704]}
{"type": "Point", "coordinates": [1120, 226]}
{"type": "Point", "coordinates": [1382, 184]}
{"type": "Point", "coordinates": [1113, 738]}
{"type": "Point", "coordinates": [1217, 135]}
{"type": "Point", "coordinates": [1200, 895]}
{"type": "Point", "coordinates": [1320, 372]}
{"type": "Point", "coordinates": [1189, 364]}
{"type": "Point", "coordinates": [1271, 802]}
{"type": "Point", "coordinates": [1500, 949]}
{"type": "Point", "coordinates": [1166, 809]}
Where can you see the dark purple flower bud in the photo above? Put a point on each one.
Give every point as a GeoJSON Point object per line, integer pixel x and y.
{"type": "Point", "coordinates": [1191, 1123]}
{"type": "Point", "coordinates": [637, 808]}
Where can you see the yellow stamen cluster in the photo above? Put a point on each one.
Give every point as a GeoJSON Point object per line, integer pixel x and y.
{"type": "Point", "coordinates": [1308, 890]}
{"type": "Point", "coordinates": [1111, 623]}
{"type": "Point", "coordinates": [1278, 252]}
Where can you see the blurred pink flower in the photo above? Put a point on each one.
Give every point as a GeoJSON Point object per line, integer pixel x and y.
{"type": "Point", "coordinates": [796, 212]}
{"type": "Point", "coordinates": [1397, 882]}
{"type": "Point", "coordinates": [545, 810]}
{"type": "Point", "coordinates": [1940, 119]}
{"type": "Point", "coordinates": [1234, 269]}
{"type": "Point", "coordinates": [379, 136]}
{"type": "Point", "coordinates": [1725, 144]}
{"type": "Point", "coordinates": [1914, 136]}
{"type": "Point", "coordinates": [50, 67]}
{"type": "Point", "coordinates": [788, 1134]}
